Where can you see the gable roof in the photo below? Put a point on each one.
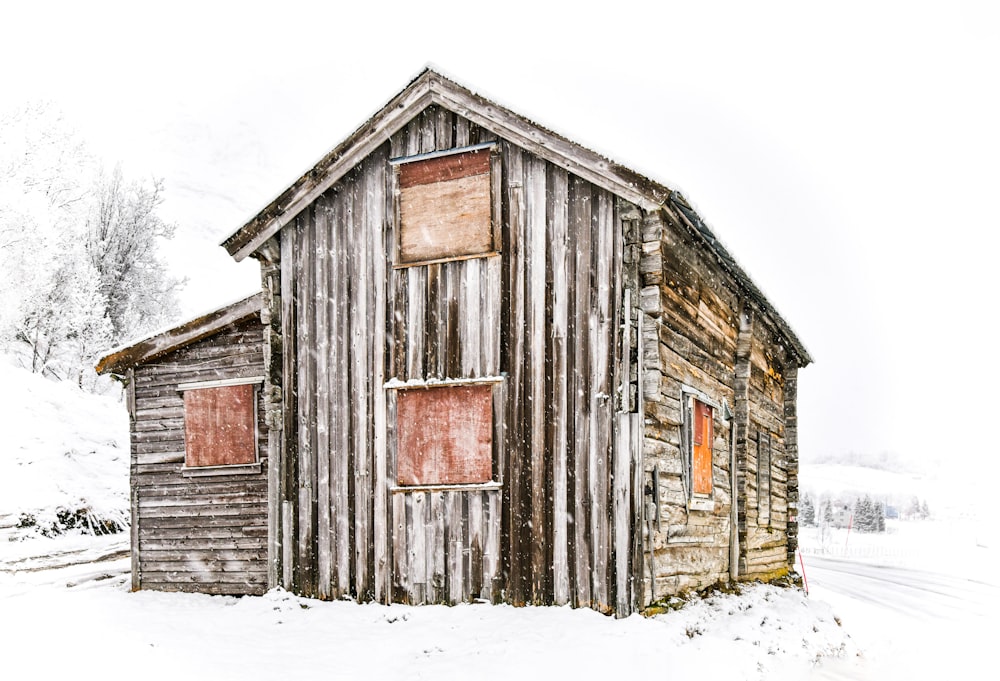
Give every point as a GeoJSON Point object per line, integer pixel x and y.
{"type": "Point", "coordinates": [159, 344]}
{"type": "Point", "coordinates": [431, 88]}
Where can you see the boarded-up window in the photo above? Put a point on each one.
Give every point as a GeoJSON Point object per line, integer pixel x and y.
{"type": "Point", "coordinates": [763, 478]}
{"type": "Point", "coordinates": [445, 208]}
{"type": "Point", "coordinates": [701, 450]}
{"type": "Point", "coordinates": [445, 435]}
{"type": "Point", "coordinates": [219, 426]}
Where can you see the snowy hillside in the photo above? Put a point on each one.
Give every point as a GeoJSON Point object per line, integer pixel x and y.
{"type": "Point", "coordinates": [65, 459]}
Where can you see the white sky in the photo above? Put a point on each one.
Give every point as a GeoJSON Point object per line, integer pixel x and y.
{"type": "Point", "coordinates": [847, 155]}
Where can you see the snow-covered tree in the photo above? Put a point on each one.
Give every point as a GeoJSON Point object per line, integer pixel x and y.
{"type": "Point", "coordinates": [122, 230]}
{"type": "Point", "coordinates": [864, 516]}
{"type": "Point", "coordinates": [879, 513]}
{"type": "Point", "coordinates": [79, 270]}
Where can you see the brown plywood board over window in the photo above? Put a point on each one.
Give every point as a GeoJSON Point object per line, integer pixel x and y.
{"type": "Point", "coordinates": [445, 435]}
{"type": "Point", "coordinates": [445, 208]}
{"type": "Point", "coordinates": [219, 426]}
{"type": "Point", "coordinates": [702, 454]}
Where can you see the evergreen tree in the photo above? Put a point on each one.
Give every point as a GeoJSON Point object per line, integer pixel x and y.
{"type": "Point", "coordinates": [864, 514]}
{"type": "Point", "coordinates": [879, 511]}
{"type": "Point", "coordinates": [827, 512]}
{"type": "Point", "coordinates": [807, 511]}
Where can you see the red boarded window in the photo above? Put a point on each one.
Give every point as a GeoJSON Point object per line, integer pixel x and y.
{"type": "Point", "coordinates": [445, 207]}
{"type": "Point", "coordinates": [445, 435]}
{"type": "Point", "coordinates": [701, 451]}
{"type": "Point", "coordinates": [219, 426]}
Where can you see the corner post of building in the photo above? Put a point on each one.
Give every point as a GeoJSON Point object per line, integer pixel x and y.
{"type": "Point", "coordinates": [269, 257]}
{"type": "Point", "coordinates": [792, 456]}
{"type": "Point", "coordinates": [741, 415]}
{"type": "Point", "coordinates": [649, 379]}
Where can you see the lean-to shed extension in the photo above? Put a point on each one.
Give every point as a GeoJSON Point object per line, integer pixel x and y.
{"type": "Point", "coordinates": [199, 453]}
{"type": "Point", "coordinates": [503, 367]}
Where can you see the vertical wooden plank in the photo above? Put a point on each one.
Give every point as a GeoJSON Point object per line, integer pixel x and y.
{"type": "Point", "coordinates": [400, 549]}
{"type": "Point", "coordinates": [621, 509]}
{"type": "Point", "coordinates": [517, 509]}
{"type": "Point", "coordinates": [366, 205]}
{"type": "Point", "coordinates": [495, 562]}
{"type": "Point", "coordinates": [601, 391]}
{"type": "Point", "coordinates": [443, 131]}
{"type": "Point", "coordinates": [461, 131]}
{"type": "Point", "coordinates": [535, 227]}
{"type": "Point", "coordinates": [450, 332]}
{"type": "Point", "coordinates": [341, 452]}
{"type": "Point", "coordinates": [491, 552]}
{"type": "Point", "coordinates": [426, 123]}
{"type": "Point", "coordinates": [476, 568]}
{"type": "Point", "coordinates": [455, 576]}
{"type": "Point", "coordinates": [323, 303]}
{"type": "Point", "coordinates": [377, 218]}
{"type": "Point", "coordinates": [135, 537]}
{"type": "Point", "coordinates": [271, 318]}
{"type": "Point", "coordinates": [558, 218]}
{"type": "Point", "coordinates": [432, 329]}
{"type": "Point", "coordinates": [288, 475]}
{"type": "Point", "coordinates": [307, 405]}
{"type": "Point", "coordinates": [436, 587]}
{"type": "Point", "coordinates": [490, 320]}
{"type": "Point", "coordinates": [580, 231]}
{"type": "Point", "coordinates": [416, 292]}
{"type": "Point", "coordinates": [470, 309]}
{"type": "Point", "coordinates": [417, 522]}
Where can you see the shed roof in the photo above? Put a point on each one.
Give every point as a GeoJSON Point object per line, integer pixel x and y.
{"type": "Point", "coordinates": [159, 344]}
{"type": "Point", "coordinates": [432, 88]}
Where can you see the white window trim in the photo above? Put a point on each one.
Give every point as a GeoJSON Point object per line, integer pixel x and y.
{"type": "Point", "coordinates": [219, 383]}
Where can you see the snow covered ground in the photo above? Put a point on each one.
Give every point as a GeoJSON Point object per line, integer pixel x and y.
{"type": "Point", "coordinates": [66, 609]}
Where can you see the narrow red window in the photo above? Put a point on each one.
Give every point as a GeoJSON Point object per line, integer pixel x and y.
{"type": "Point", "coordinates": [445, 435]}
{"type": "Point", "coordinates": [219, 426]}
{"type": "Point", "coordinates": [701, 454]}
{"type": "Point", "coordinates": [445, 207]}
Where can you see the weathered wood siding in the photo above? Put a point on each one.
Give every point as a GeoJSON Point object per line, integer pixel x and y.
{"type": "Point", "coordinates": [766, 549]}
{"type": "Point", "coordinates": [689, 341]}
{"type": "Point", "coordinates": [543, 318]}
{"type": "Point", "coordinates": [206, 533]}
{"type": "Point", "coordinates": [701, 332]}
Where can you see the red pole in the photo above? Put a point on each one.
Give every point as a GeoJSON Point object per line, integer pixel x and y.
{"type": "Point", "coordinates": [805, 582]}
{"type": "Point", "coordinates": [850, 523]}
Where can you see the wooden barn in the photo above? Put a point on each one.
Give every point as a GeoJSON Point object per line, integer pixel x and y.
{"type": "Point", "coordinates": [494, 365]}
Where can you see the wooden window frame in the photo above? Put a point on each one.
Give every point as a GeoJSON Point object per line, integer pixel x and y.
{"type": "Point", "coordinates": [495, 208]}
{"type": "Point", "coordinates": [226, 469]}
{"type": "Point", "coordinates": [495, 479]}
{"type": "Point", "coordinates": [697, 501]}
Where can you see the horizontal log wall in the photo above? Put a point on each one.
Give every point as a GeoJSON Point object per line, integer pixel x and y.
{"type": "Point", "coordinates": [207, 533]}
{"type": "Point", "coordinates": [694, 337]}
{"type": "Point", "coordinates": [768, 546]}
{"type": "Point", "coordinates": [689, 340]}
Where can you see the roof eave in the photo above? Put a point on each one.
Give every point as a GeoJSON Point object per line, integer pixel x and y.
{"type": "Point", "coordinates": [199, 328]}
